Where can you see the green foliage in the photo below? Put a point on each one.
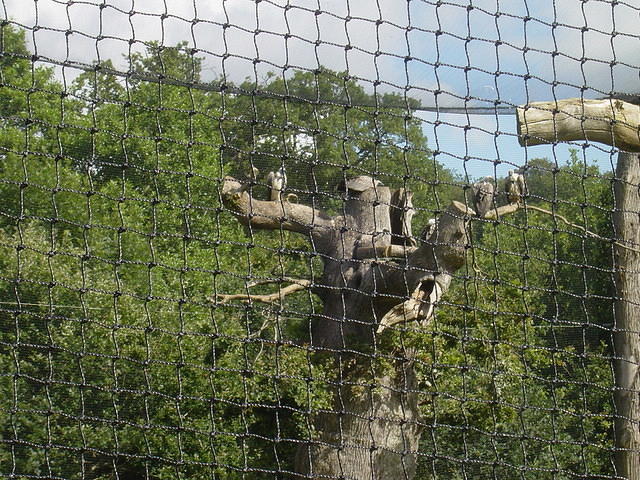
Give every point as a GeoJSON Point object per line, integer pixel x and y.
{"type": "Point", "coordinates": [518, 361]}
{"type": "Point", "coordinates": [113, 358]}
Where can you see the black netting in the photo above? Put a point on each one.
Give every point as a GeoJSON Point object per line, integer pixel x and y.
{"type": "Point", "coordinates": [319, 239]}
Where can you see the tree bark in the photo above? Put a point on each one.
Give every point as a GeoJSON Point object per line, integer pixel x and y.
{"type": "Point", "coordinates": [627, 316]}
{"type": "Point", "coordinates": [609, 121]}
{"type": "Point", "coordinates": [373, 432]}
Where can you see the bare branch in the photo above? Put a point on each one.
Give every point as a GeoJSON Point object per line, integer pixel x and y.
{"type": "Point", "coordinates": [267, 298]}
{"type": "Point", "coordinates": [496, 213]}
{"type": "Point", "coordinates": [580, 227]}
{"type": "Point", "coordinates": [271, 215]}
{"type": "Point", "coordinates": [268, 281]}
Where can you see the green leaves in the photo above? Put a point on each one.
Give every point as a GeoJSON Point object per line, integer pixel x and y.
{"type": "Point", "coordinates": [519, 362]}
{"type": "Point", "coordinates": [113, 240]}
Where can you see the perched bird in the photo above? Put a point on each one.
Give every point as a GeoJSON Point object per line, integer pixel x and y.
{"type": "Point", "coordinates": [483, 191]}
{"type": "Point", "coordinates": [402, 212]}
{"type": "Point", "coordinates": [358, 184]}
{"type": "Point", "coordinates": [277, 182]}
{"type": "Point", "coordinates": [428, 229]}
{"type": "Point", "coordinates": [515, 186]}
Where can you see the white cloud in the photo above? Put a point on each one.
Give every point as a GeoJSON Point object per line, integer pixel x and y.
{"type": "Point", "coordinates": [370, 39]}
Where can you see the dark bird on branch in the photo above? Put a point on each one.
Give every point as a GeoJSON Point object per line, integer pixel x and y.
{"type": "Point", "coordinates": [515, 186]}
{"type": "Point", "coordinates": [483, 192]}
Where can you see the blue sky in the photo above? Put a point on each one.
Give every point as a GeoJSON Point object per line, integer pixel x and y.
{"type": "Point", "coordinates": [452, 47]}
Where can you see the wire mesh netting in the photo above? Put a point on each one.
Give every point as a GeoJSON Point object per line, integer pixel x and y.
{"type": "Point", "coordinates": [300, 239]}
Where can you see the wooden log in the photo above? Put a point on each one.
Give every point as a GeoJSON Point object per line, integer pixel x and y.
{"type": "Point", "coordinates": [627, 317]}
{"type": "Point", "coordinates": [610, 121]}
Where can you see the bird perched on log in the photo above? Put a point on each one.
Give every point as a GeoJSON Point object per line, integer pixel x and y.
{"type": "Point", "coordinates": [402, 212]}
{"type": "Point", "coordinates": [358, 184]}
{"type": "Point", "coordinates": [277, 182]}
{"type": "Point", "coordinates": [483, 192]}
{"type": "Point", "coordinates": [428, 230]}
{"type": "Point", "coordinates": [515, 186]}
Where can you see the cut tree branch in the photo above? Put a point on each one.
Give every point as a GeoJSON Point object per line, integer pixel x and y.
{"type": "Point", "coordinates": [610, 121]}
{"type": "Point", "coordinates": [271, 215]}
{"type": "Point", "coordinates": [496, 213]}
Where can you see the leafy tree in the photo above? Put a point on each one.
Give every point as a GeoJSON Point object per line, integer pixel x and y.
{"type": "Point", "coordinates": [112, 241]}
{"type": "Point", "coordinates": [519, 363]}
{"type": "Point", "coordinates": [106, 283]}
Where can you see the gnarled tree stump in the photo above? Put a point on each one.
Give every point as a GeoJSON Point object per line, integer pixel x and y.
{"type": "Point", "coordinates": [374, 429]}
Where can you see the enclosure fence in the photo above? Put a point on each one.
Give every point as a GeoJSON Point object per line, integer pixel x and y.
{"type": "Point", "coordinates": [317, 239]}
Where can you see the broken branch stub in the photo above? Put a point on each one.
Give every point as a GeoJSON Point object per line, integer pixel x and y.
{"type": "Point", "coordinates": [420, 305]}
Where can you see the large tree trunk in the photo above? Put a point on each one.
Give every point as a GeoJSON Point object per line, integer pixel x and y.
{"type": "Point", "coordinates": [627, 316]}
{"type": "Point", "coordinates": [373, 432]}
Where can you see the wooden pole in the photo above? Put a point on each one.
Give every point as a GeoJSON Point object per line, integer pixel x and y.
{"type": "Point", "coordinates": [610, 121]}
{"type": "Point", "coordinates": [616, 123]}
{"type": "Point", "coordinates": [627, 316]}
